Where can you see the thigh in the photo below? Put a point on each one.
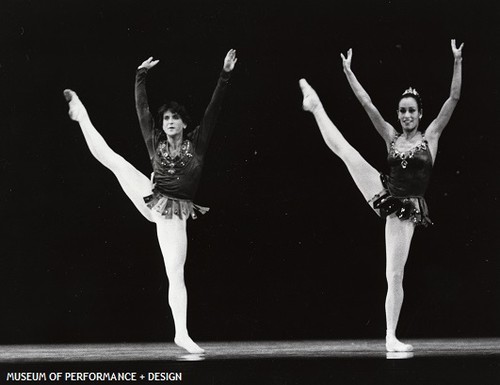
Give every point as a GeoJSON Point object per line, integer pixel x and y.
{"type": "Point", "coordinates": [366, 177]}
{"type": "Point", "coordinates": [134, 183]}
{"type": "Point", "coordinates": [398, 234]}
{"type": "Point", "coordinates": [172, 238]}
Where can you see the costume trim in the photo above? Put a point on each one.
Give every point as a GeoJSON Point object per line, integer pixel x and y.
{"type": "Point", "coordinates": [168, 206]}
{"type": "Point", "coordinates": [412, 208]}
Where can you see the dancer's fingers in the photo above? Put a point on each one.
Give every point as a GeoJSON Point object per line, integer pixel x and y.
{"type": "Point", "coordinates": [231, 54]}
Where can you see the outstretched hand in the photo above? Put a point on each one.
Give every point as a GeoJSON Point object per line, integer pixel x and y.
{"type": "Point", "coordinates": [346, 61]}
{"type": "Point", "coordinates": [148, 64]}
{"type": "Point", "coordinates": [457, 52]}
{"type": "Point", "coordinates": [230, 60]}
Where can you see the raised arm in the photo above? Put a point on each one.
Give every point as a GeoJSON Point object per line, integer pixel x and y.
{"type": "Point", "coordinates": [212, 111]}
{"type": "Point", "coordinates": [383, 128]}
{"type": "Point", "coordinates": [437, 126]}
{"type": "Point", "coordinates": [146, 119]}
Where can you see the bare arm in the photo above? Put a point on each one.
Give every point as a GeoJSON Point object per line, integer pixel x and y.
{"type": "Point", "coordinates": [437, 126]}
{"type": "Point", "coordinates": [383, 128]}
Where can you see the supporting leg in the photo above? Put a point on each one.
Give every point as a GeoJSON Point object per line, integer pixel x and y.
{"type": "Point", "coordinates": [173, 243]}
{"type": "Point", "coordinates": [398, 235]}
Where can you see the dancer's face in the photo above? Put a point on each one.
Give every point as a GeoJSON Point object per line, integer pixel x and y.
{"type": "Point", "coordinates": [408, 114]}
{"type": "Point", "coordinates": [173, 124]}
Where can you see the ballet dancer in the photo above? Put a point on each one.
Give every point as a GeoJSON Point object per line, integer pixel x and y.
{"type": "Point", "coordinates": [399, 195]}
{"type": "Point", "coordinates": [167, 198]}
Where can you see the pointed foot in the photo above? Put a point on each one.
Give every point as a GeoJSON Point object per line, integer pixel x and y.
{"type": "Point", "coordinates": [310, 100]}
{"type": "Point", "coordinates": [77, 110]}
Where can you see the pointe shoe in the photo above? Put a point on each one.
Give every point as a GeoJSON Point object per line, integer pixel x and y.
{"type": "Point", "coordinates": [68, 94]}
{"type": "Point", "coordinates": [311, 99]}
{"type": "Point", "coordinates": [188, 344]}
{"type": "Point", "coordinates": [394, 345]}
{"type": "Point", "coordinates": [76, 111]}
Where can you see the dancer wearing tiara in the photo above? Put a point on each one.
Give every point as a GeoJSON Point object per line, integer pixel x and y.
{"type": "Point", "coordinates": [177, 159]}
{"type": "Point", "coordinates": [398, 196]}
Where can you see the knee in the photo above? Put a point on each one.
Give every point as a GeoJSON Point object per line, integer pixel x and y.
{"type": "Point", "coordinates": [394, 277]}
{"type": "Point", "coordinates": [175, 275]}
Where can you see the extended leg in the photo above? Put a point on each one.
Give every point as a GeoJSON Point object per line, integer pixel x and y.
{"type": "Point", "coordinates": [398, 236]}
{"type": "Point", "coordinates": [173, 243]}
{"type": "Point", "coordinates": [135, 184]}
{"type": "Point", "coordinates": [364, 175]}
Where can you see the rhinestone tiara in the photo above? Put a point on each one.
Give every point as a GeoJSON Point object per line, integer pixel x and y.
{"type": "Point", "coordinates": [412, 91]}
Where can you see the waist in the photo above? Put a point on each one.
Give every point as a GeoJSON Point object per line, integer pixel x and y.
{"type": "Point", "coordinates": [180, 186]}
{"type": "Point", "coordinates": [405, 188]}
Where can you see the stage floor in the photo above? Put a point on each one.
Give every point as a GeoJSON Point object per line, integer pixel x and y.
{"type": "Point", "coordinates": [349, 362]}
{"type": "Point", "coordinates": [245, 350]}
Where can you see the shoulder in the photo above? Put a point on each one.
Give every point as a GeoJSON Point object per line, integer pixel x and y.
{"type": "Point", "coordinates": [391, 138]}
{"type": "Point", "coordinates": [431, 135]}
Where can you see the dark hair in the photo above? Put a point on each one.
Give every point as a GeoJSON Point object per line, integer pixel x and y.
{"type": "Point", "coordinates": [412, 93]}
{"type": "Point", "coordinates": [175, 108]}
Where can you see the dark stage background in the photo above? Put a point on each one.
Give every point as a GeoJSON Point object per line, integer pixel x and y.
{"type": "Point", "coordinates": [289, 249]}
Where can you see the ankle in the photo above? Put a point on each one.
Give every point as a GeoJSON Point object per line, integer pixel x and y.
{"type": "Point", "coordinates": [182, 336]}
{"type": "Point", "coordinates": [317, 108]}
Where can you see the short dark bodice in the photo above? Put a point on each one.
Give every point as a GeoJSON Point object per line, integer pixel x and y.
{"type": "Point", "coordinates": [409, 171]}
{"type": "Point", "coordinates": [177, 177]}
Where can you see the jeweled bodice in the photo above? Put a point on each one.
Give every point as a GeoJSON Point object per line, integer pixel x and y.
{"type": "Point", "coordinates": [177, 162]}
{"type": "Point", "coordinates": [405, 155]}
{"type": "Point", "coordinates": [409, 171]}
{"type": "Point", "coordinates": [177, 176]}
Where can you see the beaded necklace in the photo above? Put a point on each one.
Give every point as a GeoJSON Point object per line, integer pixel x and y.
{"type": "Point", "coordinates": [404, 155]}
{"type": "Point", "coordinates": [177, 161]}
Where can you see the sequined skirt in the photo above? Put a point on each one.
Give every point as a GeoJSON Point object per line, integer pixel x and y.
{"type": "Point", "coordinates": [168, 206]}
{"type": "Point", "coordinates": [406, 208]}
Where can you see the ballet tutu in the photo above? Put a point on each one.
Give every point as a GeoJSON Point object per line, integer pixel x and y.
{"type": "Point", "coordinates": [168, 206]}
{"type": "Point", "coordinates": [406, 208]}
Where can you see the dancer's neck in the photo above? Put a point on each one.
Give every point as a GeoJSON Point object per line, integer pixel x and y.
{"type": "Point", "coordinates": [174, 143]}
{"type": "Point", "coordinates": [410, 135]}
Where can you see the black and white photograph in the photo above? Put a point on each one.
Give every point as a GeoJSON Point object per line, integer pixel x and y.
{"type": "Point", "coordinates": [250, 192]}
